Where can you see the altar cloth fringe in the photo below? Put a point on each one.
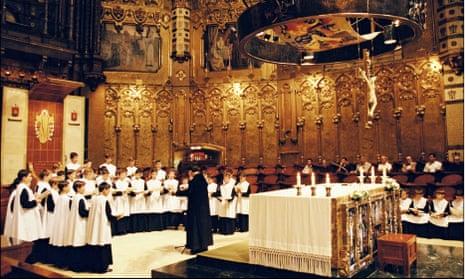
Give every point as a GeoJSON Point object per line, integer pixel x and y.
{"type": "Point", "coordinates": [300, 262]}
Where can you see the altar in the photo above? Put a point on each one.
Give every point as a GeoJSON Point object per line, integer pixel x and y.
{"type": "Point", "coordinates": [331, 236]}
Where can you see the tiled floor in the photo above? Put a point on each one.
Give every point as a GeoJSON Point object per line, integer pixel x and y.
{"type": "Point", "coordinates": [136, 255]}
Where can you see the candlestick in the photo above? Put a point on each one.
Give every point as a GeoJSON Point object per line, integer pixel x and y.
{"type": "Point", "coordinates": [372, 171]}
{"type": "Point", "coordinates": [298, 179]}
{"type": "Point", "coordinates": [327, 178]}
{"type": "Point", "coordinates": [313, 179]}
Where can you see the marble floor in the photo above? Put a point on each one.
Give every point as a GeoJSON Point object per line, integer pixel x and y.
{"type": "Point", "coordinates": [136, 255]}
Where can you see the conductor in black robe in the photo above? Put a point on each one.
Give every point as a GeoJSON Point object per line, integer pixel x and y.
{"type": "Point", "coordinates": [198, 222]}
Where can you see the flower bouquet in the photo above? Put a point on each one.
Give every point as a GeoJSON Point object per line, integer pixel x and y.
{"type": "Point", "coordinates": [390, 184]}
{"type": "Point", "coordinates": [359, 195]}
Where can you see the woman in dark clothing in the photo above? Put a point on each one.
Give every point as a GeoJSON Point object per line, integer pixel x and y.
{"type": "Point", "coordinates": [198, 223]}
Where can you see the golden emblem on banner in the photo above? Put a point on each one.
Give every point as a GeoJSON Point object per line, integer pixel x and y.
{"type": "Point", "coordinates": [44, 126]}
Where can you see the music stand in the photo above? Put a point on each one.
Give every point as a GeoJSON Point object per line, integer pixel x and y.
{"type": "Point", "coordinates": [179, 246]}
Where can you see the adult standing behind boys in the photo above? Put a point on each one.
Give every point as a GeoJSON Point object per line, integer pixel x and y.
{"type": "Point", "coordinates": [198, 222]}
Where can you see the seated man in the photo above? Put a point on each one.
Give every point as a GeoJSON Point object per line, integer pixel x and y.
{"type": "Point", "coordinates": [384, 165]}
{"type": "Point", "coordinates": [433, 165]}
{"type": "Point", "coordinates": [409, 166]}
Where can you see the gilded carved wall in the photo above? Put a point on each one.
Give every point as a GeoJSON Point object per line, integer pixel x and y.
{"type": "Point", "coordinates": [269, 114]}
{"type": "Point", "coordinates": [322, 115]}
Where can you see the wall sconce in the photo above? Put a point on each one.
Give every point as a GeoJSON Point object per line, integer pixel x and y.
{"type": "Point", "coordinates": [7, 74]}
{"type": "Point", "coordinates": [389, 36]}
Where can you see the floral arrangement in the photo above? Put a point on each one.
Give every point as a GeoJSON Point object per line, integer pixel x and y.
{"type": "Point", "coordinates": [359, 195]}
{"type": "Point", "coordinates": [390, 184]}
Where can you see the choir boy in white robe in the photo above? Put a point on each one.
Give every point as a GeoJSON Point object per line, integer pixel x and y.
{"type": "Point", "coordinates": [154, 203]}
{"type": "Point", "coordinates": [131, 168]}
{"type": "Point", "coordinates": [98, 232]}
{"type": "Point", "coordinates": [438, 223]}
{"type": "Point", "coordinates": [120, 202]}
{"type": "Point", "coordinates": [455, 230]}
{"type": "Point", "coordinates": [109, 165]}
{"type": "Point", "coordinates": [91, 184]}
{"type": "Point", "coordinates": [170, 186]}
{"type": "Point", "coordinates": [418, 214]}
{"type": "Point", "coordinates": [77, 225]}
{"type": "Point", "coordinates": [9, 217]}
{"type": "Point", "coordinates": [242, 189]}
{"type": "Point", "coordinates": [137, 208]}
{"type": "Point", "coordinates": [43, 187]}
{"type": "Point", "coordinates": [26, 223]}
{"type": "Point", "coordinates": [404, 204]}
{"type": "Point", "coordinates": [213, 202]}
{"type": "Point", "coordinates": [181, 204]}
{"type": "Point", "coordinates": [227, 209]}
{"type": "Point", "coordinates": [59, 234]}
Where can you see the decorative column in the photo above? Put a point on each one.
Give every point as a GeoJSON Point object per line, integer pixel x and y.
{"type": "Point", "coordinates": [397, 114]}
{"type": "Point", "coordinates": [242, 126]}
{"type": "Point", "coordinates": [336, 120]}
{"type": "Point", "coordinates": [225, 128]}
{"type": "Point", "coordinates": [154, 129]}
{"type": "Point", "coordinates": [420, 111]}
{"type": "Point", "coordinates": [319, 123]}
{"type": "Point", "coordinates": [260, 125]}
{"type": "Point", "coordinates": [300, 133]}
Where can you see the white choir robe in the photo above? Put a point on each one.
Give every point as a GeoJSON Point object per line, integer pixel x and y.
{"type": "Point", "coordinates": [43, 186]}
{"type": "Point", "coordinates": [213, 201]}
{"type": "Point", "coordinates": [120, 203]}
{"type": "Point", "coordinates": [171, 202]}
{"type": "Point", "coordinates": [26, 222]}
{"type": "Point", "coordinates": [8, 220]}
{"type": "Point", "coordinates": [98, 230]}
{"type": "Point", "coordinates": [137, 203]}
{"type": "Point", "coordinates": [243, 202]}
{"type": "Point", "coordinates": [76, 224]}
{"type": "Point", "coordinates": [227, 208]}
{"type": "Point", "coordinates": [439, 208]}
{"type": "Point", "coordinates": [154, 202]}
{"type": "Point", "coordinates": [455, 219]}
{"type": "Point", "coordinates": [404, 204]}
{"type": "Point", "coordinates": [59, 237]}
{"type": "Point", "coordinates": [51, 214]}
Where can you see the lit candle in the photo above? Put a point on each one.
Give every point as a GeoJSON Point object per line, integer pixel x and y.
{"type": "Point", "coordinates": [327, 178]}
{"type": "Point", "coordinates": [313, 179]}
{"type": "Point", "coordinates": [298, 178]}
{"type": "Point", "coordinates": [372, 171]}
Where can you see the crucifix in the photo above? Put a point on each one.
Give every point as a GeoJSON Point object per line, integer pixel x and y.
{"type": "Point", "coordinates": [370, 80]}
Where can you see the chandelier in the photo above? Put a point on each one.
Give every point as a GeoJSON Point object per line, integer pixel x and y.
{"type": "Point", "coordinates": [300, 32]}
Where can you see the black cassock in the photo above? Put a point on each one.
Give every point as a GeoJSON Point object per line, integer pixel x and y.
{"type": "Point", "coordinates": [198, 222]}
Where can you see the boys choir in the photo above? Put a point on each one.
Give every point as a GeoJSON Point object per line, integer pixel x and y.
{"type": "Point", "coordinates": [71, 219]}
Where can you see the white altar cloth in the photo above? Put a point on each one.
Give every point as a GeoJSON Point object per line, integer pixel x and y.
{"type": "Point", "coordinates": [293, 232]}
